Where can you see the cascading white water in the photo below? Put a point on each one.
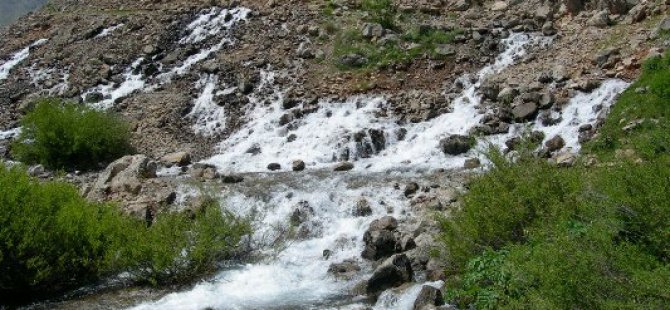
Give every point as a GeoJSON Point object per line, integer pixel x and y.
{"type": "Point", "coordinates": [205, 27]}
{"type": "Point", "coordinates": [294, 275]}
{"type": "Point", "coordinates": [17, 58]}
{"type": "Point", "coordinates": [107, 31]}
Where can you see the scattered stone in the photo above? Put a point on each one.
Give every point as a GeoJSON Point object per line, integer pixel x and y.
{"type": "Point", "coordinates": [180, 159]}
{"type": "Point", "coordinates": [274, 167]}
{"type": "Point", "coordinates": [411, 189]}
{"type": "Point", "coordinates": [554, 144]}
{"type": "Point", "coordinates": [94, 97]}
{"type": "Point", "coordinates": [36, 171]}
{"type": "Point", "coordinates": [353, 60]}
{"type": "Point", "coordinates": [456, 144]}
{"type": "Point", "coordinates": [507, 95]}
{"type": "Point", "coordinates": [231, 179]}
{"type": "Point", "coordinates": [600, 19]}
{"type": "Point", "coordinates": [373, 30]}
{"type": "Point", "coordinates": [462, 5]}
{"type": "Point", "coordinates": [343, 166]}
{"type": "Point", "coordinates": [565, 159]}
{"type": "Point", "coordinates": [525, 111]}
{"type": "Point", "coordinates": [298, 165]}
{"type": "Point", "coordinates": [445, 50]}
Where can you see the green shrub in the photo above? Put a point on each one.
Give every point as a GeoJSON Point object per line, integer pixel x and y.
{"type": "Point", "coordinates": [51, 239]}
{"type": "Point", "coordinates": [381, 12]}
{"type": "Point", "coordinates": [531, 235]}
{"type": "Point", "coordinates": [61, 135]}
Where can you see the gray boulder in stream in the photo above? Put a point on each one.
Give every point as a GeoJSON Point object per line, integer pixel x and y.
{"type": "Point", "coordinates": [393, 272]}
{"type": "Point", "coordinates": [381, 239]}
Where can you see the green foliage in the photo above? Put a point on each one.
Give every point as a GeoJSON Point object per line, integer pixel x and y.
{"type": "Point", "coordinates": [391, 52]}
{"type": "Point", "coordinates": [651, 138]}
{"type": "Point", "coordinates": [52, 239]}
{"type": "Point", "coordinates": [534, 236]}
{"type": "Point", "coordinates": [63, 135]}
{"type": "Point", "coordinates": [531, 235]}
{"type": "Point", "coordinates": [381, 12]}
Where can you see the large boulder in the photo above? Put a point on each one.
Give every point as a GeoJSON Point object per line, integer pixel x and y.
{"type": "Point", "coordinates": [180, 159]}
{"type": "Point", "coordinates": [393, 272]}
{"type": "Point", "coordinates": [381, 239]}
{"type": "Point", "coordinates": [123, 177]}
{"type": "Point", "coordinates": [456, 144]}
{"type": "Point", "coordinates": [525, 111]}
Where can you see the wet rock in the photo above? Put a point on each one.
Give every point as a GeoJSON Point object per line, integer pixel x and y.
{"type": "Point", "coordinates": [298, 165]}
{"type": "Point", "coordinates": [254, 150]}
{"type": "Point", "coordinates": [274, 167]}
{"type": "Point", "coordinates": [302, 213]}
{"type": "Point", "coordinates": [344, 270]}
{"type": "Point", "coordinates": [407, 243]}
{"type": "Point", "coordinates": [231, 179]}
{"type": "Point", "coordinates": [94, 97]}
{"type": "Point", "coordinates": [456, 144]}
{"type": "Point", "coordinates": [554, 144]}
{"type": "Point", "coordinates": [411, 189]}
{"type": "Point", "coordinates": [380, 239]}
{"type": "Point", "coordinates": [384, 223]}
{"type": "Point", "coordinates": [343, 166]}
{"type": "Point", "coordinates": [362, 208]}
{"type": "Point", "coordinates": [525, 111]}
{"type": "Point", "coordinates": [180, 159]}
{"type": "Point", "coordinates": [428, 296]}
{"type": "Point", "coordinates": [393, 272]}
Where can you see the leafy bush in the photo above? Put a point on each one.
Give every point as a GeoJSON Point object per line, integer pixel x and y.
{"type": "Point", "coordinates": [51, 239]}
{"type": "Point", "coordinates": [60, 135]}
{"type": "Point", "coordinates": [534, 236]}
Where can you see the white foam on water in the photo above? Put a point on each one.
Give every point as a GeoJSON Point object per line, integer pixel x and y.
{"type": "Point", "coordinates": [107, 31]}
{"type": "Point", "coordinates": [323, 136]}
{"type": "Point", "coordinates": [403, 300]}
{"type": "Point", "coordinates": [293, 274]}
{"type": "Point", "coordinates": [10, 134]}
{"type": "Point", "coordinates": [210, 118]}
{"type": "Point", "coordinates": [17, 58]}
{"type": "Point", "coordinates": [132, 82]}
{"type": "Point", "coordinates": [41, 76]}
{"type": "Point", "coordinates": [583, 109]}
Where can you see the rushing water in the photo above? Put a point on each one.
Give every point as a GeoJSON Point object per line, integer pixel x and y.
{"type": "Point", "coordinates": [292, 274]}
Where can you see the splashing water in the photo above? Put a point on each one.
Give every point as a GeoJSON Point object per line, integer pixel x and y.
{"type": "Point", "coordinates": [18, 58]}
{"type": "Point", "coordinates": [107, 31]}
{"type": "Point", "coordinates": [210, 118]}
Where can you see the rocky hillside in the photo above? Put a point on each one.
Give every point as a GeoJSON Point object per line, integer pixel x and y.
{"type": "Point", "coordinates": [243, 96]}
